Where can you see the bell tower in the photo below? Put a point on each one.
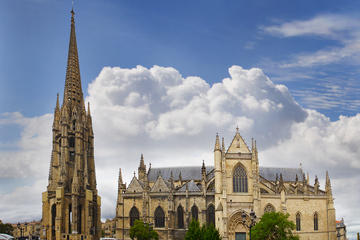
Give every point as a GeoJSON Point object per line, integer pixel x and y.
{"type": "Point", "coordinates": [71, 204]}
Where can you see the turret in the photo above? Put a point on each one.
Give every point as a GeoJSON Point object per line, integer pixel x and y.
{"type": "Point", "coordinates": [330, 208]}
{"type": "Point", "coordinates": [223, 145]}
{"type": "Point", "coordinates": [328, 189]}
{"type": "Point", "coordinates": [296, 184]}
{"type": "Point", "coordinates": [142, 169]}
{"type": "Point", "coordinates": [217, 160]}
{"type": "Point", "coordinates": [56, 123]}
{"type": "Point", "coordinates": [203, 170]}
{"type": "Point", "coordinates": [316, 185]}
{"type": "Point", "coordinates": [121, 186]}
{"type": "Point", "coordinates": [305, 185]}
{"type": "Point", "coordinates": [203, 178]}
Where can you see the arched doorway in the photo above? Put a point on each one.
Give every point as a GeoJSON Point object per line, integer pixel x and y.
{"type": "Point", "coordinates": [236, 229]}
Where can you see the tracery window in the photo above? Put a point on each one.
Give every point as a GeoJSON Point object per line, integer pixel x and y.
{"type": "Point", "coordinates": [159, 217]}
{"type": "Point", "coordinates": [240, 183]}
{"type": "Point", "coordinates": [195, 212]}
{"type": "Point", "coordinates": [180, 217]}
{"type": "Point", "coordinates": [269, 208]}
{"type": "Point", "coordinates": [298, 222]}
{"type": "Point", "coordinates": [134, 215]}
{"type": "Point", "coordinates": [316, 222]}
{"type": "Point", "coordinates": [211, 215]}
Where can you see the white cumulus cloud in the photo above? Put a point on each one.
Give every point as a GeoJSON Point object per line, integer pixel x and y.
{"type": "Point", "coordinates": [173, 120]}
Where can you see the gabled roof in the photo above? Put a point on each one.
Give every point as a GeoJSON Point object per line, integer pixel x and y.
{"type": "Point", "coordinates": [194, 173]}
{"type": "Point", "coordinates": [192, 187]}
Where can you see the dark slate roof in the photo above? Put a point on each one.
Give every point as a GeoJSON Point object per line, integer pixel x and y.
{"type": "Point", "coordinates": [187, 173]}
{"type": "Point", "coordinates": [194, 173]}
{"type": "Point", "coordinates": [191, 186]}
{"type": "Point", "coordinates": [288, 174]}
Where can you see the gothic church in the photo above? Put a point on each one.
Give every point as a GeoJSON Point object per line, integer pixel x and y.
{"type": "Point", "coordinates": [169, 198]}
{"type": "Point", "coordinates": [71, 204]}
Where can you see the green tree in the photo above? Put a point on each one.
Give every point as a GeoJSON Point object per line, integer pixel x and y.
{"type": "Point", "coordinates": [206, 232]}
{"type": "Point", "coordinates": [194, 232]}
{"type": "Point", "coordinates": [6, 228]}
{"type": "Point", "coordinates": [274, 226]}
{"type": "Point", "coordinates": [143, 231]}
{"type": "Point", "coordinates": [210, 232]}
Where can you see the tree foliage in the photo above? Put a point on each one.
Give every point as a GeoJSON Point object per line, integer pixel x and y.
{"type": "Point", "coordinates": [6, 228]}
{"type": "Point", "coordinates": [206, 232]}
{"type": "Point", "coordinates": [274, 226]}
{"type": "Point", "coordinates": [143, 231]}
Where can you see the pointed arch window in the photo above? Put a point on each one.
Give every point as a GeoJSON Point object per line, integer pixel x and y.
{"type": "Point", "coordinates": [53, 217]}
{"type": "Point", "coordinates": [298, 222]}
{"type": "Point", "coordinates": [159, 217]}
{"type": "Point", "coordinates": [180, 217]}
{"type": "Point", "coordinates": [316, 221]}
{"type": "Point", "coordinates": [195, 212]}
{"type": "Point", "coordinates": [210, 215]}
{"type": "Point", "coordinates": [134, 215]}
{"type": "Point", "coordinates": [240, 182]}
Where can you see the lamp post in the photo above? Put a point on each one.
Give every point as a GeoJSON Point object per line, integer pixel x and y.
{"type": "Point", "coordinates": [252, 220]}
{"type": "Point", "coordinates": [25, 229]}
{"type": "Point", "coordinates": [19, 227]}
{"type": "Point", "coordinates": [338, 235]}
{"type": "Point", "coordinates": [21, 230]}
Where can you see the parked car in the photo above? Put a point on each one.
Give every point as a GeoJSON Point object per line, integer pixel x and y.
{"type": "Point", "coordinates": [4, 236]}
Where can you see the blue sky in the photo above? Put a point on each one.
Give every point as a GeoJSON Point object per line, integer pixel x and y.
{"type": "Point", "coordinates": [303, 100]}
{"type": "Point", "coordinates": [199, 38]}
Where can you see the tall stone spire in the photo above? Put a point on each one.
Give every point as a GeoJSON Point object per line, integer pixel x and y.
{"type": "Point", "coordinates": [72, 167]}
{"type": "Point", "coordinates": [73, 91]}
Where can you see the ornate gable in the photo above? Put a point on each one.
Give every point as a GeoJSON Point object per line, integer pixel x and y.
{"type": "Point", "coordinates": [134, 186]}
{"type": "Point", "coordinates": [160, 185]}
{"type": "Point", "coordinates": [191, 187]}
{"type": "Point", "coordinates": [238, 145]}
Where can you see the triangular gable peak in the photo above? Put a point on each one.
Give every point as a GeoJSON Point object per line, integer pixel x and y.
{"type": "Point", "coordinates": [238, 145]}
{"type": "Point", "coordinates": [134, 186]}
{"type": "Point", "coordinates": [192, 187]}
{"type": "Point", "coordinates": [160, 185]}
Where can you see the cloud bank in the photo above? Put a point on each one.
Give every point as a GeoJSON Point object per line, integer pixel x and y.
{"type": "Point", "coordinates": [173, 120]}
{"type": "Point", "coordinates": [344, 30]}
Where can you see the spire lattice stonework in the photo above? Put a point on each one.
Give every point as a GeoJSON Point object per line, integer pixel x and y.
{"type": "Point", "coordinates": [73, 91]}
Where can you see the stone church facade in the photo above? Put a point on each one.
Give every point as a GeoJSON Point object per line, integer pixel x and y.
{"type": "Point", "coordinates": [71, 204]}
{"type": "Point", "coordinates": [169, 198]}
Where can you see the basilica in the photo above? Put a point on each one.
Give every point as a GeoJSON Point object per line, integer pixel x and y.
{"type": "Point", "coordinates": [224, 195]}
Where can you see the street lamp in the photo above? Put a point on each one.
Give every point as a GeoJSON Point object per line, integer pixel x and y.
{"type": "Point", "coordinates": [21, 230]}
{"type": "Point", "coordinates": [25, 229]}
{"type": "Point", "coordinates": [252, 220]}
{"type": "Point", "coordinates": [338, 234]}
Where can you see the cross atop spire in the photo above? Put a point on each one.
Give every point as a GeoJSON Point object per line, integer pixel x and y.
{"type": "Point", "coordinates": [73, 91]}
